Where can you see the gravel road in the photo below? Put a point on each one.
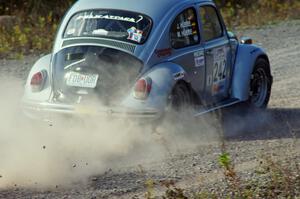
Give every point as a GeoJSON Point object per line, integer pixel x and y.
{"type": "Point", "coordinates": [273, 133]}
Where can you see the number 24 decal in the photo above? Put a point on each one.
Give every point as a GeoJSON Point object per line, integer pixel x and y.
{"type": "Point", "coordinates": [219, 72]}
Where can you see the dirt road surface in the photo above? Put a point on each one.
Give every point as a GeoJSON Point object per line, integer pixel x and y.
{"type": "Point", "coordinates": [195, 167]}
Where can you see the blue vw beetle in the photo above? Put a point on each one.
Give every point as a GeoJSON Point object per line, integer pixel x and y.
{"type": "Point", "coordinates": [139, 58]}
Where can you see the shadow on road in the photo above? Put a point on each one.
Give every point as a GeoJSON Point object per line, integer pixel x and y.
{"type": "Point", "coordinates": [260, 125]}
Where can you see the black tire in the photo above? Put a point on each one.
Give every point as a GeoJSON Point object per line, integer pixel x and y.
{"type": "Point", "coordinates": [251, 111]}
{"type": "Point", "coordinates": [179, 106]}
{"type": "Point", "coordinates": [180, 98]}
{"type": "Point", "coordinates": [260, 85]}
{"type": "Point", "coordinates": [174, 126]}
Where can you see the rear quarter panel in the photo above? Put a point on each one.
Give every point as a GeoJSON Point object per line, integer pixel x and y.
{"type": "Point", "coordinates": [164, 76]}
{"type": "Point", "coordinates": [42, 64]}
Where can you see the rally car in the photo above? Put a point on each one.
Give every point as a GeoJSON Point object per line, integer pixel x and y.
{"type": "Point", "coordinates": [140, 58]}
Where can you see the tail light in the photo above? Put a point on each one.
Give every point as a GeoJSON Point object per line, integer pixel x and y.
{"type": "Point", "coordinates": [38, 80]}
{"type": "Point", "coordinates": [142, 88]}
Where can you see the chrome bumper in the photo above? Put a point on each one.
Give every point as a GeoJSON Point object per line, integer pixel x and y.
{"type": "Point", "coordinates": [48, 110]}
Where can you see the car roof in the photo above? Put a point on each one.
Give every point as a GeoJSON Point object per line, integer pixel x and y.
{"type": "Point", "coordinates": [156, 10]}
{"type": "Point", "coordinates": [153, 8]}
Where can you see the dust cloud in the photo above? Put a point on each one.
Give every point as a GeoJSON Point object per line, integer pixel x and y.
{"type": "Point", "coordinates": [36, 154]}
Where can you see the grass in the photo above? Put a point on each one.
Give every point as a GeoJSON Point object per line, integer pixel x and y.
{"type": "Point", "coordinates": [273, 179]}
{"type": "Point", "coordinates": [275, 176]}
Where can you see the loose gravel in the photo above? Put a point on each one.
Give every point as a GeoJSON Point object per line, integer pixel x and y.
{"type": "Point", "coordinates": [274, 133]}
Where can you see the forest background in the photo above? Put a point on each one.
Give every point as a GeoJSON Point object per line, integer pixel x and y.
{"type": "Point", "coordinates": [29, 26]}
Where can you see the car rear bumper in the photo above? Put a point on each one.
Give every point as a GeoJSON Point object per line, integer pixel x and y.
{"type": "Point", "coordinates": [49, 111]}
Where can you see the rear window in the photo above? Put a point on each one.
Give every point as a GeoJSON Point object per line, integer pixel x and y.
{"type": "Point", "coordinates": [116, 24]}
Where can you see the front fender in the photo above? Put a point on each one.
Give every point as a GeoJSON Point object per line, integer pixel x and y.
{"type": "Point", "coordinates": [42, 64]}
{"type": "Point", "coordinates": [164, 76]}
{"type": "Point", "coordinates": [244, 65]}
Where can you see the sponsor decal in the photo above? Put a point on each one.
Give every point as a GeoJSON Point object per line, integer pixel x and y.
{"type": "Point", "coordinates": [199, 59]}
{"type": "Point", "coordinates": [184, 24]}
{"type": "Point", "coordinates": [185, 33]}
{"type": "Point", "coordinates": [178, 76]}
{"type": "Point", "coordinates": [111, 17]}
{"type": "Point", "coordinates": [135, 34]}
{"type": "Point", "coordinates": [187, 28]}
{"type": "Point", "coordinates": [218, 87]}
{"type": "Point", "coordinates": [215, 88]}
{"type": "Point", "coordinates": [163, 52]}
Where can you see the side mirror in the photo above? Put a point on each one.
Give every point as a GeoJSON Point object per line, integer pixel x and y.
{"type": "Point", "coordinates": [246, 40]}
{"type": "Point", "coordinates": [231, 35]}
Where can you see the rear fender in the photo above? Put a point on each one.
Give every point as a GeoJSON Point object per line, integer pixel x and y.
{"type": "Point", "coordinates": [244, 65]}
{"type": "Point", "coordinates": [43, 64]}
{"type": "Point", "coordinates": [164, 77]}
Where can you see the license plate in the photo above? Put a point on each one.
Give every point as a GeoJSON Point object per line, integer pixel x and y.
{"type": "Point", "coordinates": [82, 80]}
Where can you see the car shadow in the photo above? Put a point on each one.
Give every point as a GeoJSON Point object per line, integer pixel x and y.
{"type": "Point", "coordinates": [271, 123]}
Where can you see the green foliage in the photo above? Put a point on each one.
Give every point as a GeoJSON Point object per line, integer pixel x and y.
{"type": "Point", "coordinates": [37, 20]}
{"type": "Point", "coordinates": [230, 174]}
{"type": "Point", "coordinates": [281, 178]}
{"type": "Point", "coordinates": [35, 26]}
{"type": "Point", "coordinates": [172, 191]}
{"type": "Point", "coordinates": [205, 195]}
{"type": "Point", "coordinates": [272, 180]}
{"type": "Point", "coordinates": [258, 12]}
{"type": "Point", "coordinates": [224, 160]}
{"type": "Point", "coordinates": [29, 37]}
{"type": "Point", "coordinates": [34, 7]}
{"type": "Point", "coordinates": [150, 189]}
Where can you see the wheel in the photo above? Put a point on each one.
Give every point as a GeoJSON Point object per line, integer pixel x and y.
{"type": "Point", "coordinates": [180, 98]}
{"type": "Point", "coordinates": [260, 85]}
{"type": "Point", "coordinates": [251, 111]}
{"type": "Point", "coordinates": [177, 123]}
{"type": "Point", "coordinates": [178, 111]}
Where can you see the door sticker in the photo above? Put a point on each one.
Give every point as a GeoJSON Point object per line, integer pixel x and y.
{"type": "Point", "coordinates": [199, 59]}
{"type": "Point", "coordinates": [219, 70]}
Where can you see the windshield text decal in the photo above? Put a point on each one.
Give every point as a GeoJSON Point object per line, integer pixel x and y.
{"type": "Point", "coordinates": [111, 17]}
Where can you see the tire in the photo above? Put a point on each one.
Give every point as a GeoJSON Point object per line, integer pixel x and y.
{"type": "Point", "coordinates": [260, 85]}
{"type": "Point", "coordinates": [180, 98]}
{"type": "Point", "coordinates": [175, 125]}
{"type": "Point", "coordinates": [247, 113]}
{"type": "Point", "coordinates": [178, 110]}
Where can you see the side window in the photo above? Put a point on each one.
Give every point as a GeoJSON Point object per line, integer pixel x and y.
{"type": "Point", "coordinates": [184, 30]}
{"type": "Point", "coordinates": [212, 28]}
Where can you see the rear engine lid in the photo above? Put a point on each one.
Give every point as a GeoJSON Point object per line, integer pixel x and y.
{"type": "Point", "coordinates": [91, 74]}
